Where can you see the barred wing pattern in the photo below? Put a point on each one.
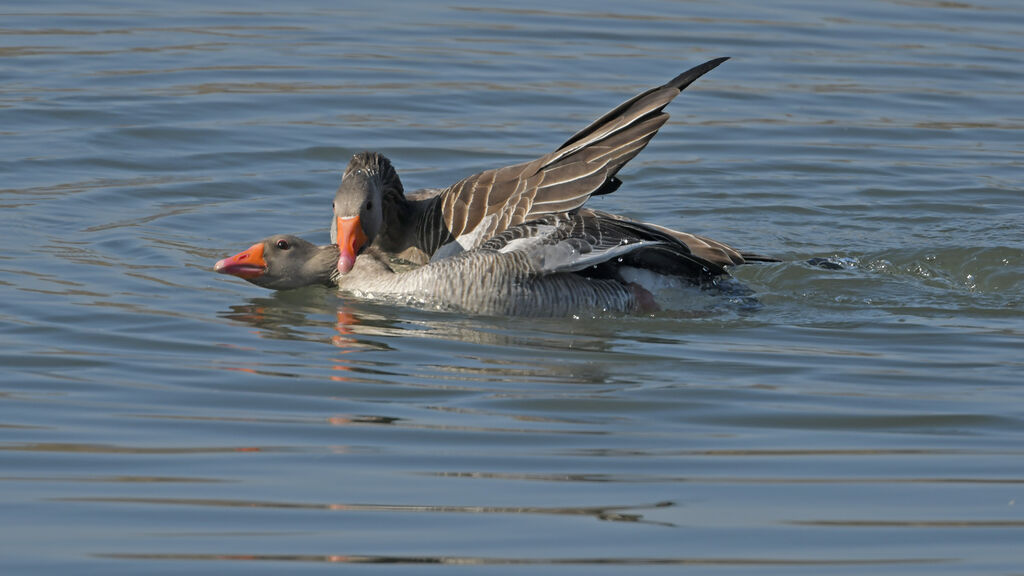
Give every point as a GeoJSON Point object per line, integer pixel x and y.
{"type": "Point", "coordinates": [482, 205]}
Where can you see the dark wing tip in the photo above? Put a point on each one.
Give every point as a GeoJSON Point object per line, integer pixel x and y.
{"type": "Point", "coordinates": [686, 78]}
{"type": "Point", "coordinates": [610, 185]}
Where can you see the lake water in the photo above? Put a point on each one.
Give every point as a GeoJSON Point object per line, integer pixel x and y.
{"type": "Point", "coordinates": [158, 418]}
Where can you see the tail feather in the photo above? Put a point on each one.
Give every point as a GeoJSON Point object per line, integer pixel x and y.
{"type": "Point", "coordinates": [753, 257]}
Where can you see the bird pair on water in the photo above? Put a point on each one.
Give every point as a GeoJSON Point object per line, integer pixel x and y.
{"type": "Point", "coordinates": [510, 241]}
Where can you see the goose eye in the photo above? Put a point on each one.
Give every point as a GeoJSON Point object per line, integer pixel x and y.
{"type": "Point", "coordinates": [283, 244]}
{"type": "Point", "coordinates": [369, 204]}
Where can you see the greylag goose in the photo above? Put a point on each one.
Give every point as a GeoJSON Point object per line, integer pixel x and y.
{"type": "Point", "coordinates": [371, 209]}
{"type": "Point", "coordinates": [579, 262]}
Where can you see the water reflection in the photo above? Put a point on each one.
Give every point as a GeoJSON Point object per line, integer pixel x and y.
{"type": "Point", "coordinates": [520, 561]}
{"type": "Point", "coordinates": [618, 513]}
{"type": "Point", "coordinates": [513, 348]}
{"type": "Point", "coordinates": [286, 315]}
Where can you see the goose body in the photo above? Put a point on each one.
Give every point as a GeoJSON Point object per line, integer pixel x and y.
{"type": "Point", "coordinates": [580, 262]}
{"type": "Point", "coordinates": [372, 211]}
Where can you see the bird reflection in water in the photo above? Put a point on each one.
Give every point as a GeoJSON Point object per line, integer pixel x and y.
{"type": "Point", "coordinates": [319, 315]}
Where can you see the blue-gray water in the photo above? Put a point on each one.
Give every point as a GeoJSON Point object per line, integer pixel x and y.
{"type": "Point", "coordinates": [158, 418]}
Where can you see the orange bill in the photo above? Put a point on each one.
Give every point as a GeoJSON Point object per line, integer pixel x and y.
{"type": "Point", "coordinates": [351, 239]}
{"type": "Point", "coordinates": [248, 264]}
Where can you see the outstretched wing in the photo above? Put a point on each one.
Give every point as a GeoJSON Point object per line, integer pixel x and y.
{"type": "Point", "coordinates": [484, 204]}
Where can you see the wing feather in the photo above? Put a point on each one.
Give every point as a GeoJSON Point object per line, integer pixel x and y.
{"type": "Point", "coordinates": [585, 164]}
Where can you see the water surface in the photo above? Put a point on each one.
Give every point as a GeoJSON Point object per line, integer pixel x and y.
{"type": "Point", "coordinates": [156, 417]}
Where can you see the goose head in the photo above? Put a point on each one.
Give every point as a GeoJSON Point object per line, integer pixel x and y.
{"type": "Point", "coordinates": [368, 186]}
{"type": "Point", "coordinates": [283, 262]}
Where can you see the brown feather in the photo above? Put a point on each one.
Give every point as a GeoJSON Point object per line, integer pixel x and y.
{"type": "Point", "coordinates": [479, 206]}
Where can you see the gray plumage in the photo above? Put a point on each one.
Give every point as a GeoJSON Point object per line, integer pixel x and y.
{"type": "Point", "coordinates": [556, 265]}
